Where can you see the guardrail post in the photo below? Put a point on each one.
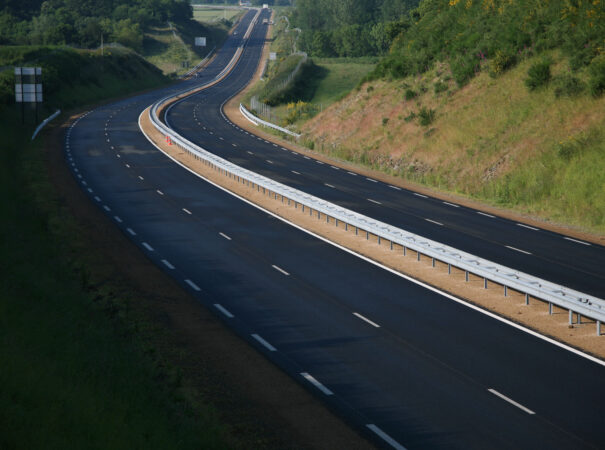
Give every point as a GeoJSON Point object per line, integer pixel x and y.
{"type": "Point", "coordinates": [485, 283]}
{"type": "Point", "coordinates": [404, 250]}
{"type": "Point", "coordinates": [327, 219]}
{"type": "Point", "coordinates": [356, 231]}
{"type": "Point", "coordinates": [336, 222]}
{"type": "Point", "coordinates": [346, 226]}
{"type": "Point", "coordinates": [449, 269]}
{"type": "Point", "coordinates": [433, 262]}
{"type": "Point", "coordinates": [505, 291]}
{"type": "Point", "coordinates": [367, 236]}
{"type": "Point", "coordinates": [598, 328]}
{"type": "Point", "coordinates": [466, 275]}
{"type": "Point", "coordinates": [527, 299]}
{"type": "Point", "coordinates": [391, 245]}
{"type": "Point", "coordinates": [303, 207]}
{"type": "Point", "coordinates": [378, 239]}
{"type": "Point", "coordinates": [570, 317]}
{"type": "Point", "coordinates": [417, 255]}
{"type": "Point", "coordinates": [579, 318]}
{"type": "Point", "coordinates": [549, 308]}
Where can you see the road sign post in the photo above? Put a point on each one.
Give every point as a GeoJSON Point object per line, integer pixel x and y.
{"type": "Point", "coordinates": [28, 88]}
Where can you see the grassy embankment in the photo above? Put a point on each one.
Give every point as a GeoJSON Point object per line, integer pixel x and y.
{"type": "Point", "coordinates": [76, 372]}
{"type": "Point", "coordinates": [167, 47]}
{"type": "Point", "coordinates": [321, 81]}
{"type": "Point", "coordinates": [493, 139]}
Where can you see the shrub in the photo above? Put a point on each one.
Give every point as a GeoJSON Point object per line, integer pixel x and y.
{"type": "Point", "coordinates": [385, 121]}
{"type": "Point", "coordinates": [410, 94]}
{"type": "Point", "coordinates": [369, 89]}
{"type": "Point", "coordinates": [597, 76]}
{"type": "Point", "coordinates": [568, 85]}
{"type": "Point", "coordinates": [500, 63]}
{"type": "Point", "coordinates": [440, 87]}
{"type": "Point", "coordinates": [463, 69]}
{"type": "Point", "coordinates": [410, 117]}
{"type": "Point", "coordinates": [538, 75]}
{"type": "Point", "coordinates": [427, 116]}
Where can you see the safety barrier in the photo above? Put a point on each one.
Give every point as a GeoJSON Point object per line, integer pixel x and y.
{"type": "Point", "coordinates": [256, 121]}
{"type": "Point", "coordinates": [574, 301]}
{"type": "Point", "coordinates": [44, 122]}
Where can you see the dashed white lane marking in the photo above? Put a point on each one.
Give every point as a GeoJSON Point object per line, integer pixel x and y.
{"type": "Point", "coordinates": [269, 161]}
{"type": "Point", "coordinates": [352, 173]}
{"type": "Point", "coordinates": [221, 138]}
{"type": "Point", "coordinates": [319, 162]}
{"type": "Point", "coordinates": [118, 155]}
{"type": "Point", "coordinates": [127, 165]}
{"type": "Point", "coordinates": [275, 145]}
{"type": "Point", "coordinates": [486, 215]}
{"type": "Point", "coordinates": [223, 310]}
{"type": "Point", "coordinates": [210, 132]}
{"type": "Point", "coordinates": [234, 145]}
{"type": "Point", "coordinates": [316, 383]}
{"type": "Point", "coordinates": [279, 269]}
{"type": "Point", "coordinates": [159, 192]}
{"type": "Point", "coordinates": [263, 342]}
{"type": "Point", "coordinates": [385, 437]}
{"type": "Point", "coordinates": [90, 190]}
{"type": "Point", "coordinates": [329, 185]}
{"type": "Point", "coordinates": [194, 286]}
{"type": "Point", "coordinates": [266, 142]}
{"type": "Point", "coordinates": [84, 183]}
{"type": "Point", "coordinates": [131, 231]}
{"type": "Point", "coordinates": [527, 226]}
{"type": "Point", "coordinates": [249, 152]}
{"type": "Point", "coordinates": [79, 176]}
{"type": "Point", "coordinates": [141, 178]}
{"type": "Point", "coordinates": [118, 219]}
{"type": "Point", "coordinates": [394, 187]}
{"type": "Point", "coordinates": [576, 241]}
{"type": "Point", "coordinates": [365, 319]}
{"type": "Point", "coordinates": [187, 211]}
{"type": "Point", "coordinates": [420, 195]}
{"type": "Point", "coordinates": [167, 264]}
{"type": "Point", "coordinates": [225, 236]}
{"type": "Point", "coordinates": [511, 401]}
{"type": "Point", "coordinates": [370, 179]}
{"type": "Point", "coordinates": [517, 250]}
{"type": "Point", "coordinates": [147, 246]}
{"type": "Point", "coordinates": [374, 201]}
{"type": "Point", "coordinates": [451, 204]}
{"type": "Point", "coordinates": [295, 172]}
{"type": "Point", "coordinates": [97, 198]}
{"type": "Point", "coordinates": [284, 148]}
{"type": "Point", "coordinates": [434, 221]}
{"type": "Point", "coordinates": [334, 167]}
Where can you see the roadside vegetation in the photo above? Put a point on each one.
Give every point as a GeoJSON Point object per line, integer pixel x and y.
{"type": "Point", "coordinates": [79, 369]}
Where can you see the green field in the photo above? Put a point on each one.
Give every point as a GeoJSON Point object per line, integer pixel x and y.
{"type": "Point", "coordinates": [208, 15]}
{"type": "Point", "coordinates": [340, 76]}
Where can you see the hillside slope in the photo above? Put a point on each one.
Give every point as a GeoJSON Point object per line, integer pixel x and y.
{"type": "Point", "coordinates": [491, 139]}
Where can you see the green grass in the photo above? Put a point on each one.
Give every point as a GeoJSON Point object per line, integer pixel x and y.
{"type": "Point", "coordinates": [340, 78]}
{"type": "Point", "coordinates": [215, 15]}
{"type": "Point", "coordinates": [76, 371]}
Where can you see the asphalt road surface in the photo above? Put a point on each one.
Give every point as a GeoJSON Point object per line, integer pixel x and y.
{"type": "Point", "coordinates": [407, 366]}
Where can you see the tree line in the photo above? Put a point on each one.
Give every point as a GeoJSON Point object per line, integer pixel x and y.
{"type": "Point", "coordinates": [84, 23]}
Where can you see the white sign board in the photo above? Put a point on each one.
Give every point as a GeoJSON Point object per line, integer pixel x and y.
{"type": "Point", "coordinates": [265, 5]}
{"type": "Point", "coordinates": [272, 56]}
{"type": "Point", "coordinates": [27, 86]}
{"type": "Point", "coordinates": [200, 41]}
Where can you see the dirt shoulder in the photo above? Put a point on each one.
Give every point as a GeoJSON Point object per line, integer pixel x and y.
{"type": "Point", "coordinates": [535, 316]}
{"type": "Point", "coordinates": [263, 407]}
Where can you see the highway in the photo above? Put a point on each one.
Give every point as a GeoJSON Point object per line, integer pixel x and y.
{"type": "Point", "coordinates": [548, 255]}
{"type": "Point", "coordinates": [403, 364]}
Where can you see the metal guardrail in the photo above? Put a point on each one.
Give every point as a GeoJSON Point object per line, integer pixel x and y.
{"type": "Point", "coordinates": [198, 65]}
{"type": "Point", "coordinates": [256, 121]}
{"type": "Point", "coordinates": [44, 122]}
{"type": "Point", "coordinates": [563, 297]}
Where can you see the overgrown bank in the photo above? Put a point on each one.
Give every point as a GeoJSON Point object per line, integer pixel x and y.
{"type": "Point", "coordinates": [540, 151]}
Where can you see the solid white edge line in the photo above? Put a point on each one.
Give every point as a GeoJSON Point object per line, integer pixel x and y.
{"type": "Point", "coordinates": [193, 285]}
{"type": "Point", "coordinates": [318, 162]}
{"type": "Point", "coordinates": [352, 173]}
{"type": "Point", "coordinates": [223, 310]}
{"type": "Point", "coordinates": [329, 185]}
{"type": "Point", "coordinates": [316, 383]}
{"type": "Point", "coordinates": [385, 437]}
{"type": "Point", "coordinates": [394, 187]}
{"type": "Point", "coordinates": [225, 236]}
{"type": "Point", "coordinates": [486, 215]}
{"type": "Point", "coordinates": [370, 179]}
{"type": "Point", "coordinates": [263, 342]}
{"type": "Point", "coordinates": [374, 324]}
{"type": "Point", "coordinates": [527, 226]}
{"type": "Point", "coordinates": [511, 401]}
{"type": "Point", "coordinates": [420, 195]}
{"type": "Point", "coordinates": [147, 246]}
{"type": "Point", "coordinates": [187, 211]}
{"type": "Point", "coordinates": [518, 250]}
{"type": "Point", "coordinates": [106, 208]}
{"type": "Point", "coordinates": [451, 204]}
{"type": "Point", "coordinates": [577, 241]}
{"type": "Point", "coordinates": [295, 172]}
{"type": "Point", "coordinates": [279, 269]}
{"type": "Point", "coordinates": [118, 219]}
{"type": "Point", "coordinates": [167, 264]}
{"type": "Point", "coordinates": [388, 269]}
